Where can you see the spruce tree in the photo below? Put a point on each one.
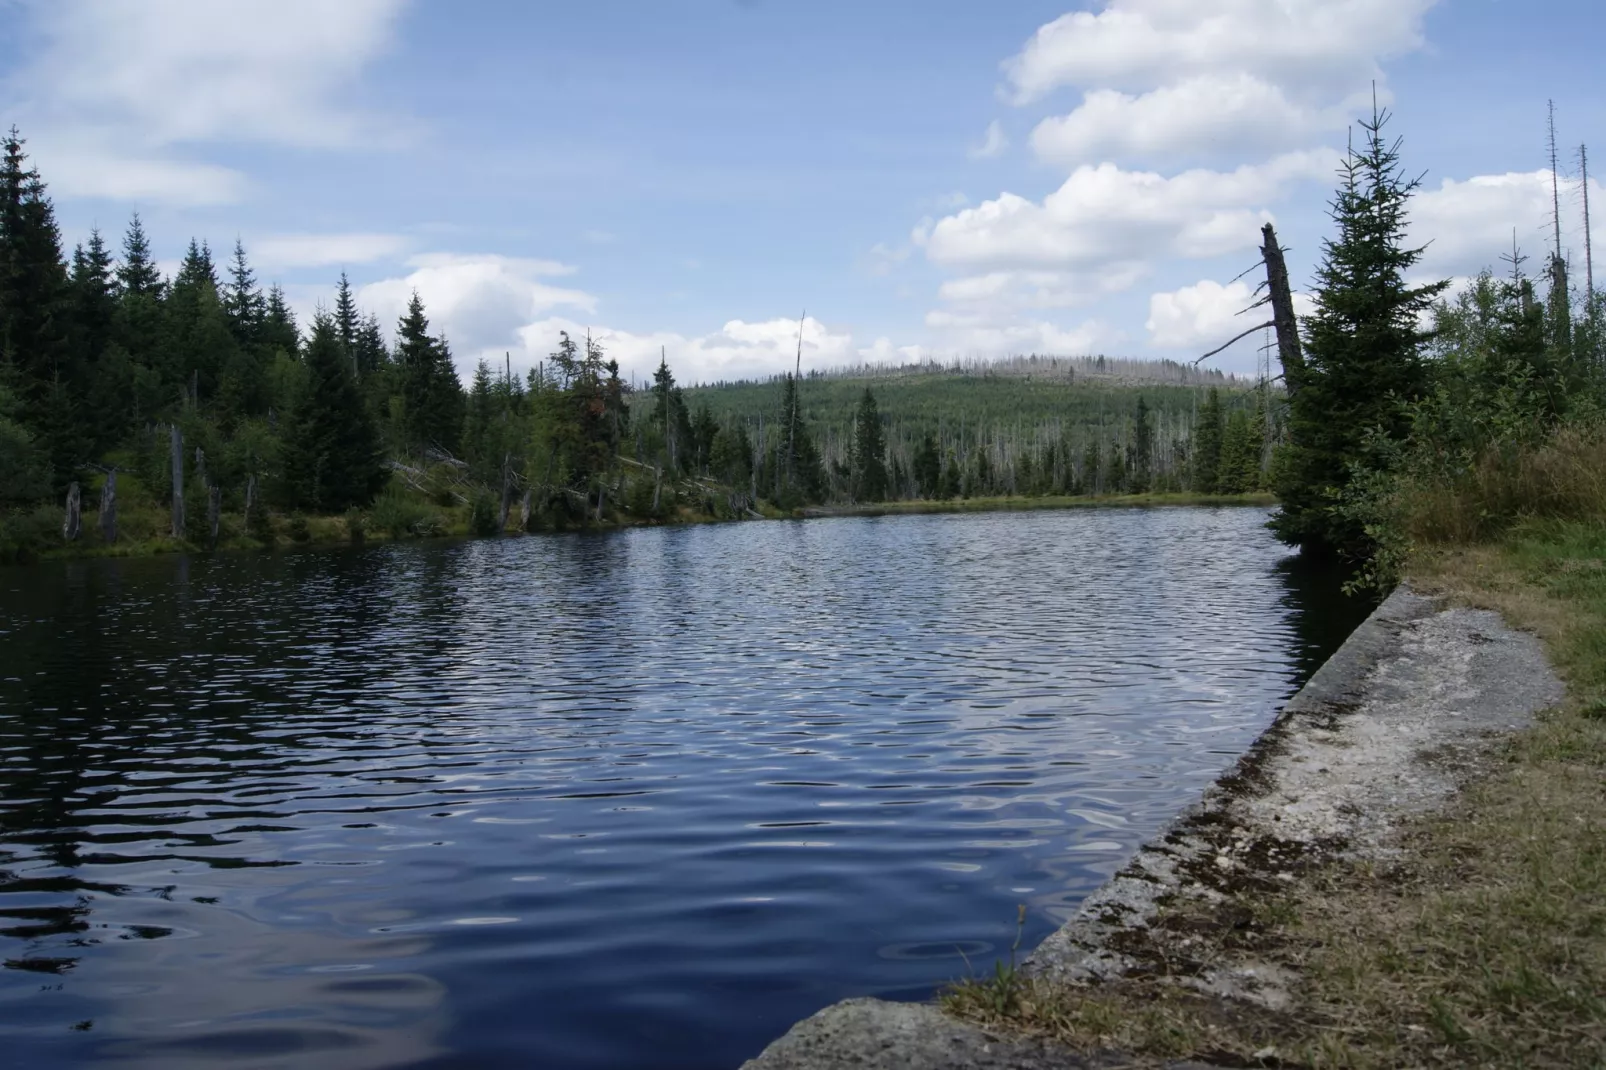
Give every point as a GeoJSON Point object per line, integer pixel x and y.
{"type": "Point", "coordinates": [1142, 449]}
{"type": "Point", "coordinates": [432, 397]}
{"type": "Point", "coordinates": [279, 331]}
{"type": "Point", "coordinates": [243, 301]}
{"type": "Point", "coordinates": [347, 323]}
{"type": "Point", "coordinates": [869, 459]}
{"type": "Point", "coordinates": [331, 455]}
{"type": "Point", "coordinates": [1207, 433]}
{"type": "Point", "coordinates": [1363, 365]}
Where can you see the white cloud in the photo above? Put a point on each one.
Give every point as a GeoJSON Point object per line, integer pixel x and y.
{"type": "Point", "coordinates": [1209, 113]}
{"type": "Point", "coordinates": [1103, 215]}
{"type": "Point", "coordinates": [737, 350]}
{"type": "Point", "coordinates": [282, 251]}
{"type": "Point", "coordinates": [115, 85]}
{"type": "Point", "coordinates": [1201, 316]}
{"type": "Point", "coordinates": [1328, 45]}
{"type": "Point", "coordinates": [1041, 289]}
{"type": "Point", "coordinates": [1469, 224]}
{"type": "Point", "coordinates": [480, 302]}
{"type": "Point", "coordinates": [978, 334]}
{"type": "Point", "coordinates": [994, 142]}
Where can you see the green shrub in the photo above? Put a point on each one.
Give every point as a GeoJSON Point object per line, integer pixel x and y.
{"type": "Point", "coordinates": [484, 517]}
{"type": "Point", "coordinates": [356, 525]}
{"type": "Point", "coordinates": [399, 514]}
{"type": "Point", "coordinates": [26, 533]}
{"type": "Point", "coordinates": [298, 528]}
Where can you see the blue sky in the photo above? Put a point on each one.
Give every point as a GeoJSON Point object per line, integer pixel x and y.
{"type": "Point", "coordinates": [935, 178]}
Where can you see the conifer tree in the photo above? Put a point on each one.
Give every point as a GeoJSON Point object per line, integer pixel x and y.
{"type": "Point", "coordinates": [1363, 365]}
{"type": "Point", "coordinates": [1207, 432]}
{"type": "Point", "coordinates": [347, 322]}
{"type": "Point", "coordinates": [243, 301]}
{"type": "Point", "coordinates": [927, 467]}
{"type": "Point", "coordinates": [1142, 449]}
{"type": "Point", "coordinates": [869, 465]}
{"type": "Point", "coordinates": [34, 306]}
{"type": "Point", "coordinates": [279, 331]}
{"type": "Point", "coordinates": [331, 452]}
{"type": "Point", "coordinates": [432, 397]}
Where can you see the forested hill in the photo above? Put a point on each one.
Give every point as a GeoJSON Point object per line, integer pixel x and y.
{"type": "Point", "coordinates": [1031, 424]}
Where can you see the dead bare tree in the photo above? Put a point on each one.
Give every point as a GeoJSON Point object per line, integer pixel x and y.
{"type": "Point", "coordinates": [176, 438]}
{"type": "Point", "coordinates": [72, 522]}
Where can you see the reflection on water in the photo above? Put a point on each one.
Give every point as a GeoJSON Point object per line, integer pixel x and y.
{"type": "Point", "coordinates": [638, 799]}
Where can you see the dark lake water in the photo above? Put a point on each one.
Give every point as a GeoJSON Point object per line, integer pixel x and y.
{"type": "Point", "coordinates": [634, 800]}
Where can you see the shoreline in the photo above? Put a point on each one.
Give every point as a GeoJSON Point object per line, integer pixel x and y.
{"type": "Point", "coordinates": [333, 530]}
{"type": "Point", "coordinates": [1176, 955]}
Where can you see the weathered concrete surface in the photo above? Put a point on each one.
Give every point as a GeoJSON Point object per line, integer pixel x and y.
{"type": "Point", "coordinates": [1388, 728]}
{"type": "Point", "coordinates": [868, 1034]}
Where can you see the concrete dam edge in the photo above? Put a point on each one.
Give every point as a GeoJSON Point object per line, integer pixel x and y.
{"type": "Point", "coordinates": [1383, 731]}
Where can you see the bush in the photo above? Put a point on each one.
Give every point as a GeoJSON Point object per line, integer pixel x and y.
{"type": "Point", "coordinates": [484, 517]}
{"type": "Point", "coordinates": [356, 525]}
{"type": "Point", "coordinates": [399, 514]}
{"type": "Point", "coordinates": [26, 533]}
{"type": "Point", "coordinates": [298, 528]}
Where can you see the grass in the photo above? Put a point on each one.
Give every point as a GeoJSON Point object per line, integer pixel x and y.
{"type": "Point", "coordinates": [1007, 504]}
{"type": "Point", "coordinates": [1483, 945]}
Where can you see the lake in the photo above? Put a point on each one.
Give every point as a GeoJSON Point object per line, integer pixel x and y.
{"type": "Point", "coordinates": [638, 799]}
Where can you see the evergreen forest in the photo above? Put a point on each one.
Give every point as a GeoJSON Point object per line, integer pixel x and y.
{"type": "Point", "coordinates": [196, 411]}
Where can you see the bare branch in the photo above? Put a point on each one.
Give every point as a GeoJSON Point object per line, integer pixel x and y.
{"type": "Point", "coordinates": [1239, 338]}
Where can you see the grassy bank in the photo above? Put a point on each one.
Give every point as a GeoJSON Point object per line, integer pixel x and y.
{"type": "Point", "coordinates": [1010, 504]}
{"type": "Point", "coordinates": [1483, 944]}
{"type": "Point", "coordinates": [144, 526]}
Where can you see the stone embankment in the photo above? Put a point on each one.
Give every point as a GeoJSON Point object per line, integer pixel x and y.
{"type": "Point", "coordinates": [1397, 719]}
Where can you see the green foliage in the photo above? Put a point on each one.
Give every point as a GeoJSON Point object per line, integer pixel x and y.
{"type": "Point", "coordinates": [1363, 366]}
{"type": "Point", "coordinates": [400, 514]}
{"type": "Point", "coordinates": [432, 398]}
{"type": "Point", "coordinates": [869, 466]}
{"type": "Point", "coordinates": [484, 517]}
{"type": "Point", "coordinates": [331, 450]}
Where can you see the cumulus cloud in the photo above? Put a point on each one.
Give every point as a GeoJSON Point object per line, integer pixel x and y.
{"type": "Point", "coordinates": [1209, 78]}
{"type": "Point", "coordinates": [1200, 115]}
{"type": "Point", "coordinates": [982, 334]}
{"type": "Point", "coordinates": [1135, 45]}
{"type": "Point", "coordinates": [117, 86]}
{"type": "Point", "coordinates": [1104, 214]}
{"type": "Point", "coordinates": [480, 302]}
{"type": "Point", "coordinates": [737, 350]}
{"type": "Point", "coordinates": [1467, 225]}
{"type": "Point", "coordinates": [1207, 314]}
{"type": "Point", "coordinates": [993, 143]}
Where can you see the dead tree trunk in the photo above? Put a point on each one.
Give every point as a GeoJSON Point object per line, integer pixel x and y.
{"type": "Point", "coordinates": [250, 495]}
{"type": "Point", "coordinates": [200, 468]}
{"type": "Point", "coordinates": [507, 491]}
{"type": "Point", "coordinates": [73, 521]}
{"type": "Point", "coordinates": [602, 498]}
{"type": "Point", "coordinates": [657, 488]}
{"type": "Point", "coordinates": [1282, 311]}
{"type": "Point", "coordinates": [108, 507]}
{"type": "Point", "coordinates": [177, 439]}
{"type": "Point", "coordinates": [524, 510]}
{"type": "Point", "coordinates": [214, 513]}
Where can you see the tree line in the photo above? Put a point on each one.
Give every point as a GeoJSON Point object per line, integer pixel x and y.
{"type": "Point", "coordinates": [204, 389]}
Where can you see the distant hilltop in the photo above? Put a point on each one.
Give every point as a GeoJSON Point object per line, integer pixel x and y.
{"type": "Point", "coordinates": [1108, 370]}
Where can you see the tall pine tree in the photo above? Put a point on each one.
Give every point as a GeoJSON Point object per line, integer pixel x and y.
{"type": "Point", "coordinates": [331, 453]}
{"type": "Point", "coordinates": [432, 397]}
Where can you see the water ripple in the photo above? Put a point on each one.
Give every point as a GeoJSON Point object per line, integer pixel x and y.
{"type": "Point", "coordinates": [639, 799]}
